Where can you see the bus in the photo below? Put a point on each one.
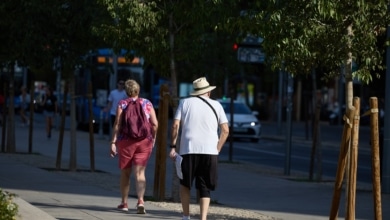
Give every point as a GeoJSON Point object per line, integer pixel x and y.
{"type": "Point", "coordinates": [104, 69]}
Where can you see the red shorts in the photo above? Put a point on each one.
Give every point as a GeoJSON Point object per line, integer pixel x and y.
{"type": "Point", "coordinates": [133, 152]}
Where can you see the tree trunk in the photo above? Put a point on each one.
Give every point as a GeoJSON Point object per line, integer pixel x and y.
{"type": "Point", "coordinates": [4, 120]}
{"type": "Point", "coordinates": [11, 111]}
{"type": "Point", "coordinates": [161, 151]}
{"type": "Point", "coordinates": [91, 129]}
{"type": "Point", "coordinates": [349, 102]}
{"type": "Point", "coordinates": [174, 102]}
{"type": "Point", "coordinates": [72, 158]}
{"type": "Point", "coordinates": [298, 106]}
{"type": "Point", "coordinates": [343, 162]}
{"type": "Point", "coordinates": [62, 129]}
{"type": "Point", "coordinates": [314, 124]}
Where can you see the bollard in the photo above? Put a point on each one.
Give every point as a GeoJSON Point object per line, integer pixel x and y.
{"type": "Point", "coordinates": [101, 119]}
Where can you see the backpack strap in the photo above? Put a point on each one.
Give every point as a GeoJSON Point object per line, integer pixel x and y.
{"type": "Point", "coordinates": [215, 113]}
{"type": "Point", "coordinates": [137, 101]}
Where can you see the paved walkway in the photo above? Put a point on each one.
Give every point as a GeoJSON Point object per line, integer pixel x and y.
{"type": "Point", "coordinates": [45, 195]}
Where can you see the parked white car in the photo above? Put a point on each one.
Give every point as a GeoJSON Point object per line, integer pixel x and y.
{"type": "Point", "coordinates": [245, 123]}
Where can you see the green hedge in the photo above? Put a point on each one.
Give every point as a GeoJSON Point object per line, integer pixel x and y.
{"type": "Point", "coordinates": [8, 209]}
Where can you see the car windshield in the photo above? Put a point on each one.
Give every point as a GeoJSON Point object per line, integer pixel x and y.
{"type": "Point", "coordinates": [239, 108]}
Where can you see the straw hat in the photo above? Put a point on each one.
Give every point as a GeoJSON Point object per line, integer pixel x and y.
{"type": "Point", "coordinates": [201, 86]}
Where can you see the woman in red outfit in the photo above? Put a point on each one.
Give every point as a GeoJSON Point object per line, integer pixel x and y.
{"type": "Point", "coordinates": [133, 154]}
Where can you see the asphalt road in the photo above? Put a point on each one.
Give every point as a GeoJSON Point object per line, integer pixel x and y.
{"type": "Point", "coordinates": [273, 153]}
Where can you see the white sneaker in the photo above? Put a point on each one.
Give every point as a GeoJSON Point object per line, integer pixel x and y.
{"type": "Point", "coordinates": [141, 208]}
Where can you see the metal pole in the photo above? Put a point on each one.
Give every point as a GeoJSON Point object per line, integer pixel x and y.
{"type": "Point", "coordinates": [113, 81]}
{"type": "Point", "coordinates": [386, 133]}
{"type": "Point", "coordinates": [290, 89]}
{"type": "Point", "coordinates": [114, 76]}
{"type": "Point", "coordinates": [57, 68]}
{"type": "Point", "coordinates": [280, 97]}
{"type": "Point", "coordinates": [25, 76]}
{"type": "Point", "coordinates": [101, 121]}
{"type": "Point", "coordinates": [231, 141]}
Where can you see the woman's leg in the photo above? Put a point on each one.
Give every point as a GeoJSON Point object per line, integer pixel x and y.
{"type": "Point", "coordinates": [140, 182]}
{"type": "Point", "coordinates": [125, 184]}
{"type": "Point", "coordinates": [49, 121]}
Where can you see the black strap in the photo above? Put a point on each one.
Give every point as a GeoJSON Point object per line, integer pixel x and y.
{"type": "Point", "coordinates": [215, 113]}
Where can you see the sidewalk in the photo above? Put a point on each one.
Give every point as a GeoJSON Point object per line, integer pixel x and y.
{"type": "Point", "coordinates": [44, 194]}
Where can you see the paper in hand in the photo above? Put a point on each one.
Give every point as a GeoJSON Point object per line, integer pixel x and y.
{"type": "Point", "coordinates": [178, 161]}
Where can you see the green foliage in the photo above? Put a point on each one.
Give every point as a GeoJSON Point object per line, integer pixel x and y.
{"type": "Point", "coordinates": [36, 31]}
{"type": "Point", "coordinates": [8, 209]}
{"type": "Point", "coordinates": [189, 33]}
{"type": "Point", "coordinates": [134, 26]}
{"type": "Point", "coordinates": [302, 35]}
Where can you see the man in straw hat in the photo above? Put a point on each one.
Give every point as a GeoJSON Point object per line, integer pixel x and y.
{"type": "Point", "coordinates": [200, 144]}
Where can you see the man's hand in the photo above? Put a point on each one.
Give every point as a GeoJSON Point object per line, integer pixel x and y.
{"type": "Point", "coordinates": [172, 154]}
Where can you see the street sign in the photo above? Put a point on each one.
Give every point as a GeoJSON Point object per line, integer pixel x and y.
{"type": "Point", "coordinates": [250, 55]}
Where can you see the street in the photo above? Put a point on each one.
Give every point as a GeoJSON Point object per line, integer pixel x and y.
{"type": "Point", "coordinates": [272, 151]}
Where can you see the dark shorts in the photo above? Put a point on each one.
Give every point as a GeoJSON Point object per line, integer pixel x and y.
{"type": "Point", "coordinates": [202, 168]}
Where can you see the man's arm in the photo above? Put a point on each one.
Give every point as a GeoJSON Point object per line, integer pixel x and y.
{"type": "Point", "coordinates": [174, 135]}
{"type": "Point", "coordinates": [224, 128]}
{"type": "Point", "coordinates": [109, 103]}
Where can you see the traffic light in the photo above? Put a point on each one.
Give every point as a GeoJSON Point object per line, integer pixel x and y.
{"type": "Point", "coordinates": [235, 46]}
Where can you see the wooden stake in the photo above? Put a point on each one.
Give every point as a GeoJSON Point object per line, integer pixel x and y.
{"type": "Point", "coordinates": [344, 147]}
{"type": "Point", "coordinates": [161, 141]}
{"type": "Point", "coordinates": [351, 198]}
{"type": "Point", "coordinates": [375, 158]}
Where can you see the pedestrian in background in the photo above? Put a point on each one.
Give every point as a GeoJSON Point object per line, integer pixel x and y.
{"type": "Point", "coordinates": [24, 104]}
{"type": "Point", "coordinates": [50, 108]}
{"type": "Point", "coordinates": [113, 99]}
{"type": "Point", "coordinates": [200, 118]}
{"type": "Point", "coordinates": [133, 153]}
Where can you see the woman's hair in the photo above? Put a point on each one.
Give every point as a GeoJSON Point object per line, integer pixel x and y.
{"type": "Point", "coordinates": [132, 88]}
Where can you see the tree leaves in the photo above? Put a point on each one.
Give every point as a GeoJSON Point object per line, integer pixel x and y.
{"type": "Point", "coordinates": [301, 35]}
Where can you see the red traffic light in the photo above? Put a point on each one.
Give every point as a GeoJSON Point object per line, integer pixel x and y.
{"type": "Point", "coordinates": [235, 46]}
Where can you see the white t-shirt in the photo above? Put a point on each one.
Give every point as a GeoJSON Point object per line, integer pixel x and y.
{"type": "Point", "coordinates": [114, 97]}
{"type": "Point", "coordinates": [199, 126]}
